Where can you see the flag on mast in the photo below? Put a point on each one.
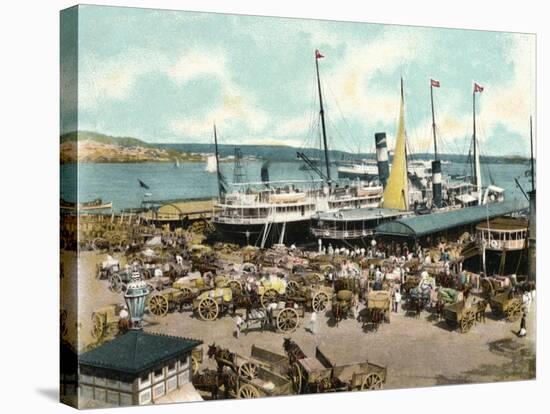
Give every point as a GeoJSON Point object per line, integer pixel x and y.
{"type": "Point", "coordinates": [435, 83]}
{"type": "Point", "coordinates": [318, 54]}
{"type": "Point", "coordinates": [477, 88]}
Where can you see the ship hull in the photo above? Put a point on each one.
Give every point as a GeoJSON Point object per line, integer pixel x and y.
{"type": "Point", "coordinates": [515, 262]}
{"type": "Point", "coordinates": [295, 232]}
{"type": "Point", "coordinates": [363, 176]}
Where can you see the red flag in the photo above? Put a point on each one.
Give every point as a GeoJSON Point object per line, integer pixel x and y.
{"type": "Point", "coordinates": [318, 54]}
{"type": "Point", "coordinates": [477, 88]}
{"type": "Point", "coordinates": [435, 83]}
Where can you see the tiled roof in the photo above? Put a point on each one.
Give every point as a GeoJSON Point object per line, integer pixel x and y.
{"type": "Point", "coordinates": [137, 351]}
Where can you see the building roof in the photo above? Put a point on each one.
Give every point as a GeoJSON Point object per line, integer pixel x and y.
{"type": "Point", "coordinates": [504, 224]}
{"type": "Point", "coordinates": [137, 351]}
{"type": "Point", "coordinates": [422, 225]}
{"type": "Point", "coordinates": [367, 213]}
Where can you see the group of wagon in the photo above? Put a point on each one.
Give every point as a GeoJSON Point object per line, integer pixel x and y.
{"type": "Point", "coordinates": [266, 373]}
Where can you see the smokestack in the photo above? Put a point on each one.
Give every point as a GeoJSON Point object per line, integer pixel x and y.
{"type": "Point", "coordinates": [382, 157]}
{"type": "Point", "coordinates": [436, 183]}
{"type": "Point", "coordinates": [265, 172]}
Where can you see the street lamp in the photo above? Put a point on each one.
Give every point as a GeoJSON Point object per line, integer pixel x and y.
{"type": "Point", "coordinates": [135, 296]}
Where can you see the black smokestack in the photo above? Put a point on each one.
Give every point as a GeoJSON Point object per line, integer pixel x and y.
{"type": "Point", "coordinates": [265, 172]}
{"type": "Point", "coordinates": [436, 183]}
{"type": "Point", "coordinates": [382, 157]}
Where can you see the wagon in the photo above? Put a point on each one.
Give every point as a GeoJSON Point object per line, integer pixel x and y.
{"type": "Point", "coordinates": [459, 314]}
{"type": "Point", "coordinates": [265, 383]}
{"type": "Point", "coordinates": [166, 300]}
{"type": "Point", "coordinates": [506, 304]}
{"type": "Point", "coordinates": [319, 374]}
{"type": "Point", "coordinates": [105, 321]}
{"type": "Point", "coordinates": [283, 318]}
{"type": "Point", "coordinates": [378, 306]}
{"type": "Point", "coordinates": [314, 297]}
{"type": "Point", "coordinates": [343, 303]}
{"type": "Point", "coordinates": [503, 302]}
{"type": "Point", "coordinates": [270, 291]}
{"type": "Point", "coordinates": [210, 304]}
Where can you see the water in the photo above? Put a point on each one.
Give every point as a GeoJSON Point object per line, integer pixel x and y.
{"type": "Point", "coordinates": [119, 182]}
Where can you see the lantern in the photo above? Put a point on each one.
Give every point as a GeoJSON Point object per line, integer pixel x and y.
{"type": "Point", "coordinates": [135, 296]}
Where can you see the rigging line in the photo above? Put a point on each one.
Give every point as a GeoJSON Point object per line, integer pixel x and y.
{"type": "Point", "coordinates": [357, 141]}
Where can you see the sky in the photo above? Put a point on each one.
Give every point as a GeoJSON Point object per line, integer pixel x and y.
{"type": "Point", "coordinates": [168, 76]}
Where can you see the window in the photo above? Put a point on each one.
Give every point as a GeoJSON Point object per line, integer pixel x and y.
{"type": "Point", "coordinates": [158, 372]}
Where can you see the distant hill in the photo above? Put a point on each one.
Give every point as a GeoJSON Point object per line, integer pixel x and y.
{"type": "Point", "coordinates": [92, 147]}
{"type": "Point", "coordinates": [89, 146]}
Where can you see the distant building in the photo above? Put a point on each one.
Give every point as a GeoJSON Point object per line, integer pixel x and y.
{"type": "Point", "coordinates": [137, 368]}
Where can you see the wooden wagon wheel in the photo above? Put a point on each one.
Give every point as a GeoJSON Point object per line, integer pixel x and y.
{"type": "Point", "coordinates": [97, 326]}
{"type": "Point", "coordinates": [187, 294]}
{"type": "Point", "coordinates": [297, 377]}
{"type": "Point", "coordinates": [513, 311]}
{"type": "Point", "coordinates": [467, 321]}
{"type": "Point", "coordinates": [248, 391]}
{"type": "Point", "coordinates": [158, 304]}
{"type": "Point", "coordinates": [319, 303]}
{"type": "Point", "coordinates": [208, 309]}
{"type": "Point", "coordinates": [235, 286]}
{"type": "Point", "coordinates": [269, 296]}
{"type": "Point", "coordinates": [292, 287]}
{"type": "Point", "coordinates": [116, 282]}
{"type": "Point", "coordinates": [63, 322]}
{"type": "Point", "coordinates": [98, 243]}
{"type": "Point", "coordinates": [248, 370]}
{"type": "Point", "coordinates": [195, 364]}
{"type": "Point", "coordinates": [372, 381]}
{"type": "Point", "coordinates": [287, 320]}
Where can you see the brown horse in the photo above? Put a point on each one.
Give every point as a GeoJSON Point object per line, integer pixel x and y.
{"type": "Point", "coordinates": [293, 350]}
{"type": "Point", "coordinates": [223, 357]}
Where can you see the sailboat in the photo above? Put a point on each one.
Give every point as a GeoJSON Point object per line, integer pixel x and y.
{"type": "Point", "coordinates": [177, 163]}
{"type": "Point", "coordinates": [211, 164]}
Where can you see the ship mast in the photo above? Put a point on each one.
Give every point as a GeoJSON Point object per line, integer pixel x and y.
{"type": "Point", "coordinates": [477, 169]}
{"type": "Point", "coordinates": [433, 118]}
{"type": "Point", "coordinates": [532, 155]}
{"type": "Point", "coordinates": [220, 186]}
{"type": "Point", "coordinates": [322, 113]}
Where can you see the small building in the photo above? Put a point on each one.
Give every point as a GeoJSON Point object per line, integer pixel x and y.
{"type": "Point", "coordinates": [136, 368]}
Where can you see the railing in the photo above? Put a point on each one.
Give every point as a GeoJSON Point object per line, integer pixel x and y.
{"type": "Point", "coordinates": [494, 244]}
{"type": "Point", "coordinates": [341, 234]}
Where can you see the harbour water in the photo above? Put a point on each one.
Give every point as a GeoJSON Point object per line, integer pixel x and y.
{"type": "Point", "coordinates": [119, 182]}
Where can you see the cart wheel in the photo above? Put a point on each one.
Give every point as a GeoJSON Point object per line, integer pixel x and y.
{"type": "Point", "coordinates": [297, 377]}
{"type": "Point", "coordinates": [98, 243]}
{"type": "Point", "coordinates": [158, 305]}
{"type": "Point", "coordinates": [269, 296]}
{"type": "Point", "coordinates": [292, 287]}
{"type": "Point", "coordinates": [97, 326]}
{"type": "Point", "coordinates": [63, 322]}
{"type": "Point", "coordinates": [513, 312]}
{"type": "Point", "coordinates": [287, 320]}
{"type": "Point", "coordinates": [248, 391]}
{"type": "Point", "coordinates": [249, 370]}
{"type": "Point", "coordinates": [208, 309]}
{"type": "Point", "coordinates": [195, 365]}
{"type": "Point", "coordinates": [116, 282]}
{"type": "Point", "coordinates": [372, 382]}
{"type": "Point", "coordinates": [235, 286]}
{"type": "Point", "coordinates": [467, 321]}
{"type": "Point", "coordinates": [187, 294]}
{"type": "Point", "coordinates": [319, 302]}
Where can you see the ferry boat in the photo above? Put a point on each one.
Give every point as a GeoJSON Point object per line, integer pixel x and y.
{"type": "Point", "coordinates": [269, 212]}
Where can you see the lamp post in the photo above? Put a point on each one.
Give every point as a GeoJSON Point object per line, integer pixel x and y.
{"type": "Point", "coordinates": [135, 296]}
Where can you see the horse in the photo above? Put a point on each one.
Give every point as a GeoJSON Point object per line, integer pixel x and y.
{"type": "Point", "coordinates": [223, 357]}
{"type": "Point", "coordinates": [480, 309]}
{"type": "Point", "coordinates": [293, 350]}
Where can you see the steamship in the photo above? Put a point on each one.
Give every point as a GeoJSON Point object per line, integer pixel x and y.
{"type": "Point", "coordinates": [409, 188]}
{"type": "Point", "coordinates": [275, 212]}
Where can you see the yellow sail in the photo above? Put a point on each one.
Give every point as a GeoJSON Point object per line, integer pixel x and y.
{"type": "Point", "coordinates": [396, 193]}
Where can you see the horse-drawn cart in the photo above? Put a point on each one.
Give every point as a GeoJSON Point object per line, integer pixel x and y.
{"type": "Point", "coordinates": [166, 300]}
{"type": "Point", "coordinates": [378, 307]}
{"type": "Point", "coordinates": [280, 318]}
{"type": "Point", "coordinates": [266, 383]}
{"type": "Point", "coordinates": [463, 315]}
{"type": "Point", "coordinates": [319, 374]}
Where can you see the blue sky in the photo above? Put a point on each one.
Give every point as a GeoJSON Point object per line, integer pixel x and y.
{"type": "Point", "coordinates": [167, 76]}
